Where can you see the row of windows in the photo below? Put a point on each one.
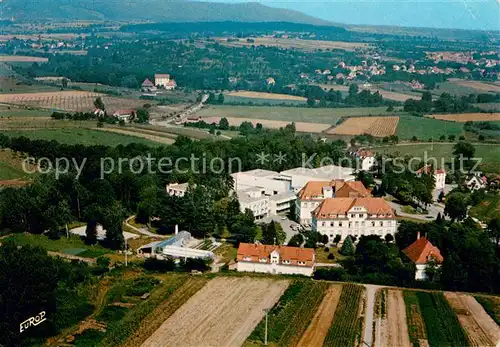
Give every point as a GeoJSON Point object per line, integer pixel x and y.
{"type": "Point", "coordinates": [357, 224]}
{"type": "Point", "coordinates": [264, 260]}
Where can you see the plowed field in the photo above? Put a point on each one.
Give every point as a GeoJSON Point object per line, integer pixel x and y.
{"type": "Point", "coordinates": [376, 126]}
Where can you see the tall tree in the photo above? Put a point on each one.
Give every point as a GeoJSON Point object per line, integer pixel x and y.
{"type": "Point", "coordinates": [113, 224]}
{"type": "Point", "coordinates": [456, 206]}
{"type": "Point", "coordinates": [273, 234]}
{"type": "Point", "coordinates": [347, 247]}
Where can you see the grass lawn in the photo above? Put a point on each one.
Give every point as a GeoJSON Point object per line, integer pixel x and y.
{"type": "Point", "coordinates": [19, 112]}
{"type": "Point", "coordinates": [11, 166]}
{"type": "Point", "coordinates": [261, 101]}
{"type": "Point", "coordinates": [292, 114]}
{"type": "Point", "coordinates": [72, 245]}
{"type": "Point", "coordinates": [227, 252]}
{"type": "Point", "coordinates": [80, 136]}
{"type": "Point", "coordinates": [426, 128]}
{"type": "Point", "coordinates": [490, 154]}
{"type": "Point", "coordinates": [322, 256]}
{"type": "Point", "coordinates": [487, 209]}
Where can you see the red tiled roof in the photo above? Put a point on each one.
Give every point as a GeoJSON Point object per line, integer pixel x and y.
{"type": "Point", "coordinates": [147, 83]}
{"type": "Point", "coordinates": [364, 153]}
{"type": "Point", "coordinates": [331, 207]}
{"type": "Point", "coordinates": [422, 250]}
{"type": "Point", "coordinates": [253, 253]}
{"type": "Point", "coordinates": [427, 170]}
{"type": "Point", "coordinates": [341, 189]}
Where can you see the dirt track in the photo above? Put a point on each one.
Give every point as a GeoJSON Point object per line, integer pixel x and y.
{"type": "Point", "coordinates": [223, 313]}
{"type": "Point", "coordinates": [318, 328]}
{"type": "Point", "coordinates": [480, 328]}
{"type": "Point", "coordinates": [394, 329]}
{"type": "Point", "coordinates": [272, 96]}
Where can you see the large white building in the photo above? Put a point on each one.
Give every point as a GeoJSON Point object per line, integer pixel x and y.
{"type": "Point", "coordinates": [164, 81]}
{"type": "Point", "coordinates": [264, 192]}
{"type": "Point", "coordinates": [301, 175]}
{"type": "Point", "coordinates": [314, 192]}
{"type": "Point", "coordinates": [177, 189]}
{"type": "Point", "coordinates": [275, 259]}
{"type": "Point", "coordinates": [354, 217]}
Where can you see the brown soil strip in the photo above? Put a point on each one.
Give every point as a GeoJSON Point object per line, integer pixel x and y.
{"type": "Point", "coordinates": [397, 331]}
{"type": "Point", "coordinates": [223, 313]}
{"type": "Point", "coordinates": [480, 328]}
{"type": "Point", "coordinates": [318, 328]}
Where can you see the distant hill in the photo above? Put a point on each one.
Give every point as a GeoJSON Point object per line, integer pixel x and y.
{"type": "Point", "coordinates": [150, 10]}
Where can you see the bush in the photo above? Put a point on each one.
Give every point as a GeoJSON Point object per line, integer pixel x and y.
{"type": "Point", "coordinates": [347, 247]}
{"type": "Point", "coordinates": [141, 286]}
{"type": "Point", "coordinates": [331, 256]}
{"type": "Point", "coordinates": [330, 274]}
{"type": "Point", "coordinates": [159, 265]}
{"type": "Point", "coordinates": [327, 249]}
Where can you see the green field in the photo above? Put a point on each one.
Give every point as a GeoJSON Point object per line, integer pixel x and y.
{"type": "Point", "coordinates": [80, 136]}
{"type": "Point", "coordinates": [490, 154]}
{"type": "Point", "coordinates": [426, 128]}
{"type": "Point", "coordinates": [11, 166]}
{"type": "Point", "coordinates": [487, 209]}
{"type": "Point", "coordinates": [72, 245]}
{"type": "Point", "coordinates": [292, 114]}
{"type": "Point", "coordinates": [261, 101]}
{"type": "Point", "coordinates": [19, 112]}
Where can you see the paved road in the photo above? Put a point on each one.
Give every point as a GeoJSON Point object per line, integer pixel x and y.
{"type": "Point", "coordinates": [433, 211]}
{"type": "Point", "coordinates": [142, 231]}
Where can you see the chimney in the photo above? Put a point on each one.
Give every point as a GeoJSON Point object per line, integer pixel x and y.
{"type": "Point", "coordinates": [418, 235]}
{"type": "Point", "coordinates": [177, 229]}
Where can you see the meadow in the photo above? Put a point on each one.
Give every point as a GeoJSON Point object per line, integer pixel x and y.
{"type": "Point", "coordinates": [293, 114]}
{"type": "Point", "coordinates": [426, 128]}
{"type": "Point", "coordinates": [490, 154]}
{"type": "Point", "coordinates": [80, 136]}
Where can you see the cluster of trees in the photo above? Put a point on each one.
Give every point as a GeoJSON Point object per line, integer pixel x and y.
{"type": "Point", "coordinates": [49, 203]}
{"type": "Point", "coordinates": [245, 128]}
{"type": "Point", "coordinates": [47, 284]}
{"type": "Point", "coordinates": [332, 98]}
{"type": "Point", "coordinates": [471, 261]}
{"type": "Point", "coordinates": [446, 103]}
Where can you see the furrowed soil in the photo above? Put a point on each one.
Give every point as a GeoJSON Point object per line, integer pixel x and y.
{"type": "Point", "coordinates": [395, 324]}
{"type": "Point", "coordinates": [318, 328]}
{"type": "Point", "coordinates": [223, 313]}
{"type": "Point", "coordinates": [480, 327]}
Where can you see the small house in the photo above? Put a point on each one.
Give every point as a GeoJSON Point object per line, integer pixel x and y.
{"type": "Point", "coordinates": [422, 252]}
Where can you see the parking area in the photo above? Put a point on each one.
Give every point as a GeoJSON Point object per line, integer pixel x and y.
{"type": "Point", "coordinates": [289, 226]}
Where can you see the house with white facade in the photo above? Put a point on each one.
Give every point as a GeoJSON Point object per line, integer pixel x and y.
{"type": "Point", "coordinates": [275, 259]}
{"type": "Point", "coordinates": [366, 159]}
{"type": "Point", "coordinates": [164, 81]}
{"type": "Point", "coordinates": [125, 115]}
{"type": "Point", "coordinates": [477, 182]}
{"type": "Point", "coordinates": [314, 192]}
{"type": "Point", "coordinates": [354, 217]}
{"type": "Point", "coordinates": [422, 252]}
{"type": "Point", "coordinates": [177, 189]}
{"type": "Point", "coordinates": [439, 175]}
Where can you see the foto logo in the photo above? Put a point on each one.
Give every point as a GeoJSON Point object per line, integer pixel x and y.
{"type": "Point", "coordinates": [32, 321]}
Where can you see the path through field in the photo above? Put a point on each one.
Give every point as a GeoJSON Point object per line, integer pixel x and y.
{"type": "Point", "coordinates": [480, 327]}
{"type": "Point", "coordinates": [392, 330]}
{"type": "Point", "coordinates": [317, 329]}
{"type": "Point", "coordinates": [223, 313]}
{"type": "Point", "coordinates": [369, 306]}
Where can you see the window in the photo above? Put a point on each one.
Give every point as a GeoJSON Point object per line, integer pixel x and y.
{"type": "Point", "coordinates": [352, 215]}
{"type": "Point", "coordinates": [246, 258]}
{"type": "Point", "coordinates": [360, 215]}
{"type": "Point", "coordinates": [381, 223]}
{"type": "Point", "coordinates": [331, 224]}
{"type": "Point", "coordinates": [301, 263]}
{"type": "Point", "coordinates": [373, 224]}
{"type": "Point", "coordinates": [323, 224]}
{"type": "Point", "coordinates": [286, 261]}
{"type": "Point", "coordinates": [340, 224]}
{"type": "Point", "coordinates": [263, 260]}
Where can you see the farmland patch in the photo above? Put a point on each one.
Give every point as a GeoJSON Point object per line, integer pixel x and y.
{"type": "Point", "coordinates": [290, 317]}
{"type": "Point", "coordinates": [376, 126]}
{"type": "Point", "coordinates": [465, 117]}
{"type": "Point", "coordinates": [222, 313]}
{"type": "Point", "coordinates": [272, 96]}
{"type": "Point", "coordinates": [480, 328]}
{"type": "Point", "coordinates": [347, 324]}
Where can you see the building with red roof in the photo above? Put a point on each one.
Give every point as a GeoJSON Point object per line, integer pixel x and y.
{"type": "Point", "coordinates": [314, 192]}
{"type": "Point", "coordinates": [361, 216]}
{"type": "Point", "coordinates": [275, 259]}
{"type": "Point", "coordinates": [422, 252]}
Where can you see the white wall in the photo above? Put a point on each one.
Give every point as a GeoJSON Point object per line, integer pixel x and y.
{"type": "Point", "coordinates": [360, 224]}
{"type": "Point", "coordinates": [243, 266]}
{"type": "Point", "coordinates": [270, 185]}
{"type": "Point", "coordinates": [304, 210]}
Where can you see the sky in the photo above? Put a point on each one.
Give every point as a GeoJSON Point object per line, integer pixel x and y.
{"type": "Point", "coordinates": [457, 14]}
